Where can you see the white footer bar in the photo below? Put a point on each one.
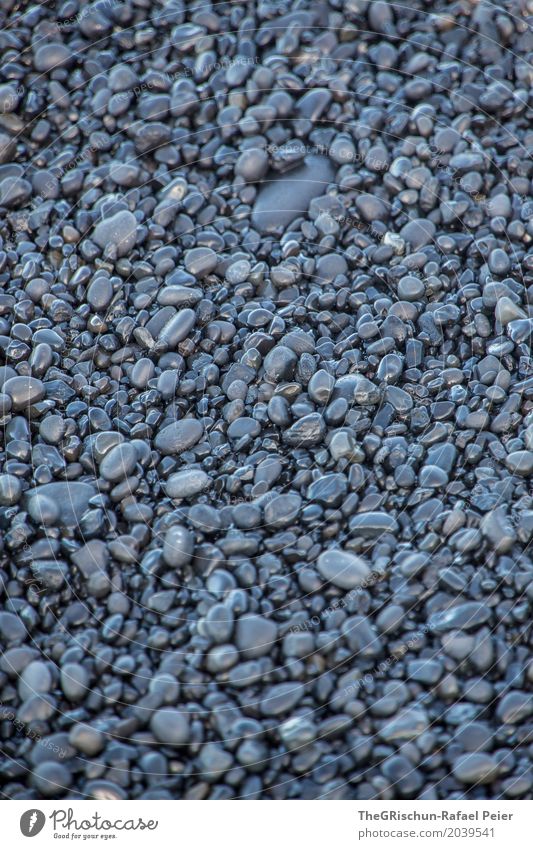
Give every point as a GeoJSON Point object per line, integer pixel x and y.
{"type": "Point", "coordinates": [267, 824]}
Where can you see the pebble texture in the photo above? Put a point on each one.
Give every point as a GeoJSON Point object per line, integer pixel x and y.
{"type": "Point", "coordinates": [266, 400]}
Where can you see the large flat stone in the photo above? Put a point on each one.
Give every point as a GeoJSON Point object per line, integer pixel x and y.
{"type": "Point", "coordinates": [284, 197]}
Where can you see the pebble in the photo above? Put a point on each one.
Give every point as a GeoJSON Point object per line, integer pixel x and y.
{"type": "Point", "coordinates": [10, 490]}
{"type": "Point", "coordinates": [73, 496]}
{"type": "Point", "coordinates": [283, 197]}
{"type": "Point", "coordinates": [52, 779]}
{"type": "Point", "coordinates": [187, 483]}
{"type": "Point", "coordinates": [171, 727]}
{"type": "Point", "coordinates": [265, 396]}
{"type": "Point", "coordinates": [179, 436]}
{"type": "Point", "coordinates": [24, 391]}
{"type": "Point", "coordinates": [201, 261]}
{"type": "Point", "coordinates": [119, 230]}
{"type": "Point", "coordinates": [119, 463]}
{"type": "Point", "coordinates": [343, 569]}
{"type": "Point", "coordinates": [520, 463]}
{"type": "Point", "coordinates": [255, 636]}
{"type": "Point", "coordinates": [475, 768]}
{"type": "Point", "coordinates": [178, 546]}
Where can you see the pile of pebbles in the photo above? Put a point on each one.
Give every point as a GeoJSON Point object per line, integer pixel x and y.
{"type": "Point", "coordinates": [266, 397]}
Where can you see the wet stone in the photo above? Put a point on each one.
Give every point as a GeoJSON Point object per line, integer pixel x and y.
{"type": "Point", "coordinates": [24, 391]}
{"type": "Point", "coordinates": [179, 436]}
{"type": "Point", "coordinates": [201, 261]}
{"type": "Point", "coordinates": [255, 636]}
{"type": "Point", "coordinates": [284, 197]}
{"type": "Point", "coordinates": [343, 569]}
{"type": "Point", "coordinates": [187, 483]}
{"type": "Point", "coordinates": [170, 727]}
{"type": "Point", "coordinates": [308, 430]}
{"type": "Point", "coordinates": [475, 768]}
{"type": "Point", "coordinates": [119, 231]}
{"type": "Point", "coordinates": [72, 496]}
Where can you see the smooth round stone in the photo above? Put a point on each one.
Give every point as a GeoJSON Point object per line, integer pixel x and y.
{"type": "Point", "coordinates": [284, 197]}
{"type": "Point", "coordinates": [356, 389]}
{"type": "Point", "coordinates": [187, 483]}
{"type": "Point", "coordinates": [281, 698]}
{"type": "Point", "coordinates": [14, 191]}
{"type": "Point", "coordinates": [178, 328]}
{"type": "Point", "coordinates": [214, 761]}
{"type": "Point", "coordinates": [245, 426]}
{"type": "Point", "coordinates": [100, 293]}
{"type": "Point", "coordinates": [104, 791]}
{"type": "Point", "coordinates": [520, 463]}
{"type": "Point", "coordinates": [178, 546]}
{"type": "Point", "coordinates": [221, 658]}
{"type": "Point", "coordinates": [255, 635]}
{"type": "Point", "coordinates": [142, 372]}
{"type": "Point", "coordinates": [406, 725]}
{"type": "Point", "coordinates": [72, 496]}
{"type": "Point", "coordinates": [200, 261]}
{"type": "Point", "coordinates": [298, 731]}
{"type": "Point", "coordinates": [411, 288]}
{"type": "Point", "coordinates": [505, 312]}
{"type": "Point", "coordinates": [43, 510]}
{"type": "Point", "coordinates": [419, 233]}
{"type": "Point", "coordinates": [120, 231]}
{"type": "Point", "coordinates": [74, 681]}
{"type": "Point", "coordinates": [170, 727]}
{"type": "Point", "coordinates": [370, 208]}
{"type": "Point", "coordinates": [499, 262]}
{"type": "Point", "coordinates": [309, 430]}
{"type": "Point", "coordinates": [219, 623]}
{"type": "Point", "coordinates": [399, 399]}
{"type": "Point", "coordinates": [52, 429]}
{"type": "Point", "coordinates": [12, 628]}
{"type": "Point", "coordinates": [9, 98]}
{"type": "Point", "coordinates": [342, 568]}
{"type": "Point", "coordinates": [280, 363]}
{"type": "Point", "coordinates": [466, 617]}
{"type": "Point", "coordinates": [475, 768]}
{"type": "Point", "coordinates": [328, 490]}
{"type": "Point", "coordinates": [104, 442]}
{"type": "Point", "coordinates": [499, 205]}
{"type": "Point", "coordinates": [165, 687]}
{"type": "Point", "coordinates": [52, 779]}
{"type": "Point", "coordinates": [282, 510]}
{"type": "Point", "coordinates": [119, 463]}
{"type": "Point", "coordinates": [238, 272]}
{"type": "Point", "coordinates": [124, 174]}
{"type": "Point", "coordinates": [86, 739]}
{"type": "Point", "coordinates": [342, 445]}
{"type": "Point", "coordinates": [299, 341]}
{"type": "Point", "coordinates": [329, 266]}
{"type": "Point", "coordinates": [514, 707]}
{"type": "Point", "coordinates": [320, 387]}
{"type": "Point", "coordinates": [342, 150]}
{"type": "Point", "coordinates": [24, 391]}
{"type": "Point", "coordinates": [48, 57]}
{"type": "Point", "coordinates": [179, 436]}
{"type": "Point", "coordinates": [520, 330]}
{"type": "Point", "coordinates": [373, 524]}
{"type": "Point", "coordinates": [252, 164]}
{"type": "Point", "coordinates": [433, 477]}
{"type": "Point", "coordinates": [10, 490]}
{"type": "Point", "coordinates": [399, 771]}
{"type": "Point", "coordinates": [390, 368]}
{"type": "Point", "coordinates": [36, 678]}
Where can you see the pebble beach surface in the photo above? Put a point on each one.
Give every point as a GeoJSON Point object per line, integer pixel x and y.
{"type": "Point", "coordinates": [266, 400]}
